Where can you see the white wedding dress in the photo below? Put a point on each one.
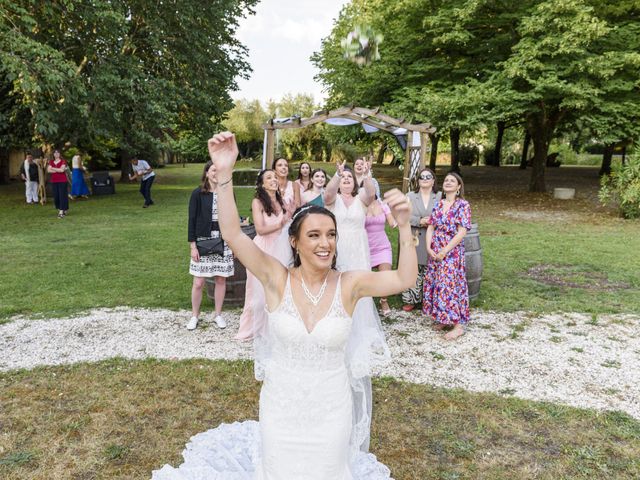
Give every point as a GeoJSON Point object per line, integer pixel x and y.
{"type": "Point", "coordinates": [307, 428]}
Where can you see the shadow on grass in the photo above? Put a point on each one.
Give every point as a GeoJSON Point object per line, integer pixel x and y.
{"type": "Point", "coordinates": [123, 419]}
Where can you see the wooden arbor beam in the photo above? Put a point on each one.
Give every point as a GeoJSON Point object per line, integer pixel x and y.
{"type": "Point", "coordinates": [367, 116]}
{"type": "Point", "coordinates": [363, 115]}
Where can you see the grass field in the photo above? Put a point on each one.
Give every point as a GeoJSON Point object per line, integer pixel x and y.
{"type": "Point", "coordinates": [109, 251]}
{"type": "Point", "coordinates": [121, 419]}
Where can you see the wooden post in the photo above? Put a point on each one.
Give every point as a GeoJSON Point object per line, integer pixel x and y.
{"type": "Point", "coordinates": [424, 138]}
{"type": "Point", "coordinates": [271, 145]}
{"type": "Point", "coordinates": [407, 162]}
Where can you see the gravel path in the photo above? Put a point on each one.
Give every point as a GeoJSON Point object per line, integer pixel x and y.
{"type": "Point", "coordinates": [573, 359]}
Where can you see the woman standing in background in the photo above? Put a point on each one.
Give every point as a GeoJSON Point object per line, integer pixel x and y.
{"type": "Point", "coordinates": [289, 191]}
{"type": "Point", "coordinates": [378, 215]}
{"type": "Point", "coordinates": [58, 168]}
{"type": "Point", "coordinates": [446, 295]}
{"type": "Point", "coordinates": [270, 217]}
{"type": "Point", "coordinates": [304, 177]}
{"type": "Point", "coordinates": [78, 185]}
{"type": "Point", "coordinates": [203, 225]}
{"type": "Point", "coordinates": [315, 193]}
{"type": "Point", "coordinates": [423, 199]}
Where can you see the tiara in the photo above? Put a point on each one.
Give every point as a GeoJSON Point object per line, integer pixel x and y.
{"type": "Point", "coordinates": [300, 210]}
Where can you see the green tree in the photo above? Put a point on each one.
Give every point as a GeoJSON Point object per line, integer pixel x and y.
{"type": "Point", "coordinates": [461, 63]}
{"type": "Point", "coordinates": [245, 119]}
{"type": "Point", "coordinates": [126, 73]}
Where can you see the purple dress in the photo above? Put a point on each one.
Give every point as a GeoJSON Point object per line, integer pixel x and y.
{"type": "Point", "coordinates": [379, 245]}
{"type": "Point", "coordinates": [446, 296]}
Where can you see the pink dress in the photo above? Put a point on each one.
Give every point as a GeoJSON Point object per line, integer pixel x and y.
{"type": "Point", "coordinates": [288, 197]}
{"type": "Point", "coordinates": [254, 316]}
{"type": "Point", "coordinates": [379, 244]}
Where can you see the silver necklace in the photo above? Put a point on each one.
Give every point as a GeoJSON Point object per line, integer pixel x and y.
{"type": "Point", "coordinates": [314, 299]}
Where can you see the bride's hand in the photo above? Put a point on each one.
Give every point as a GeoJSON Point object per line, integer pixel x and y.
{"type": "Point", "coordinates": [223, 151]}
{"type": "Point", "coordinates": [400, 206]}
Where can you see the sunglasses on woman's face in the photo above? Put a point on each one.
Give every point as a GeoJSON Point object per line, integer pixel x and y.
{"type": "Point", "coordinates": [426, 176]}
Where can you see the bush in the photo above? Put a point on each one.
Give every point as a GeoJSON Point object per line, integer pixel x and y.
{"type": "Point", "coordinates": [566, 154]}
{"type": "Point", "coordinates": [623, 187]}
{"type": "Point", "coordinates": [469, 154]}
{"type": "Point", "coordinates": [487, 156]}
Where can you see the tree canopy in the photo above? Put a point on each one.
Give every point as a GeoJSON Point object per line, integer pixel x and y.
{"type": "Point", "coordinates": [117, 76]}
{"type": "Point", "coordinates": [461, 64]}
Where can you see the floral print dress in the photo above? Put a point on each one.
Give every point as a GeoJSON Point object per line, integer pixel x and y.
{"type": "Point", "coordinates": [445, 292]}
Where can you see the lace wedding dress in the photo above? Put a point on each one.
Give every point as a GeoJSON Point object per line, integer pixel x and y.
{"type": "Point", "coordinates": [307, 428]}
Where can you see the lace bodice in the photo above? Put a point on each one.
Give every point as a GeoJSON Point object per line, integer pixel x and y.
{"type": "Point", "coordinates": [294, 346]}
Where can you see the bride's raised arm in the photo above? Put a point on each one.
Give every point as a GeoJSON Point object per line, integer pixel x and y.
{"type": "Point", "coordinates": [223, 151]}
{"type": "Point", "coordinates": [383, 284]}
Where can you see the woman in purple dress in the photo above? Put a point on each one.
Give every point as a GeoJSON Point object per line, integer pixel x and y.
{"type": "Point", "coordinates": [446, 297]}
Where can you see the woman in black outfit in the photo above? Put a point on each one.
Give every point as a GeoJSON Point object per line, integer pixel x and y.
{"type": "Point", "coordinates": [203, 225]}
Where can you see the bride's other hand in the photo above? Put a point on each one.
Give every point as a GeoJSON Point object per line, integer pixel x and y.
{"type": "Point", "coordinates": [400, 206]}
{"type": "Point", "coordinates": [223, 151]}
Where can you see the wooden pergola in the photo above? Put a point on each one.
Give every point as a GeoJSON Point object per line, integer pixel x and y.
{"type": "Point", "coordinates": [415, 155]}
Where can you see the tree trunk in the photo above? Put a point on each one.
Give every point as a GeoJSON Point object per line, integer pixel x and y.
{"type": "Point", "coordinates": [607, 156]}
{"type": "Point", "coordinates": [125, 167]}
{"type": "Point", "coordinates": [541, 131]}
{"type": "Point", "coordinates": [454, 135]}
{"type": "Point", "coordinates": [498, 148]}
{"type": "Point", "coordinates": [525, 150]}
{"type": "Point", "coordinates": [624, 154]}
{"type": "Point", "coordinates": [4, 165]}
{"type": "Point", "coordinates": [433, 156]}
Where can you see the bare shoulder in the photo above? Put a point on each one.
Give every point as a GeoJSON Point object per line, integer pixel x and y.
{"type": "Point", "coordinates": [256, 205]}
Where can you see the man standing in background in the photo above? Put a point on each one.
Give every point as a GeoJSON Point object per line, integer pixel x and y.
{"type": "Point", "coordinates": [29, 173]}
{"type": "Point", "coordinates": [141, 169]}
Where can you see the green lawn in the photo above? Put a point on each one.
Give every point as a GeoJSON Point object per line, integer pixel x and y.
{"type": "Point", "coordinates": [109, 251]}
{"type": "Point", "coordinates": [121, 419]}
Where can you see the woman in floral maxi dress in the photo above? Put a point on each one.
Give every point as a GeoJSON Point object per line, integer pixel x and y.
{"type": "Point", "coordinates": [446, 296]}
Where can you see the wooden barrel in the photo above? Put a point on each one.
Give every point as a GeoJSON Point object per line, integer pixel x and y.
{"type": "Point", "coordinates": [473, 260]}
{"type": "Point", "coordinates": [234, 295]}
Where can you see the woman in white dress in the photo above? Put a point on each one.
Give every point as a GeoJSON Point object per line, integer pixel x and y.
{"type": "Point", "coordinates": [308, 419]}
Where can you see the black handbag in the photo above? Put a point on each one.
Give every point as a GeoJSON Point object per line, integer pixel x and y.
{"type": "Point", "coordinates": [210, 246]}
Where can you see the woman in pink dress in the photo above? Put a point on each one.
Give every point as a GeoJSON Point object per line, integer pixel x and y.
{"type": "Point", "coordinates": [289, 190]}
{"type": "Point", "coordinates": [378, 215]}
{"type": "Point", "coordinates": [270, 216]}
{"type": "Point", "coordinates": [446, 295]}
{"type": "Point", "coordinates": [304, 177]}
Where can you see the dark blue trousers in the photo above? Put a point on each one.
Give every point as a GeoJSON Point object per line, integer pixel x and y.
{"type": "Point", "coordinates": [145, 190]}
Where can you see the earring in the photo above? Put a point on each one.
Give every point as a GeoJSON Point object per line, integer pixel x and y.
{"type": "Point", "coordinates": [458, 193]}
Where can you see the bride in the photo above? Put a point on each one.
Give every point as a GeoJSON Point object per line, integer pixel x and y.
{"type": "Point", "coordinates": [315, 358]}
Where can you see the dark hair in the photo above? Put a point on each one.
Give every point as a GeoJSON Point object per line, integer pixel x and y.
{"type": "Point", "coordinates": [204, 182]}
{"type": "Point", "coordinates": [460, 182]}
{"type": "Point", "coordinates": [355, 183]}
{"type": "Point", "coordinates": [300, 168]}
{"type": "Point", "coordinates": [276, 160]}
{"type": "Point", "coordinates": [263, 196]}
{"type": "Point", "coordinates": [316, 170]}
{"type": "Point", "coordinates": [298, 217]}
{"type": "Point", "coordinates": [434, 189]}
